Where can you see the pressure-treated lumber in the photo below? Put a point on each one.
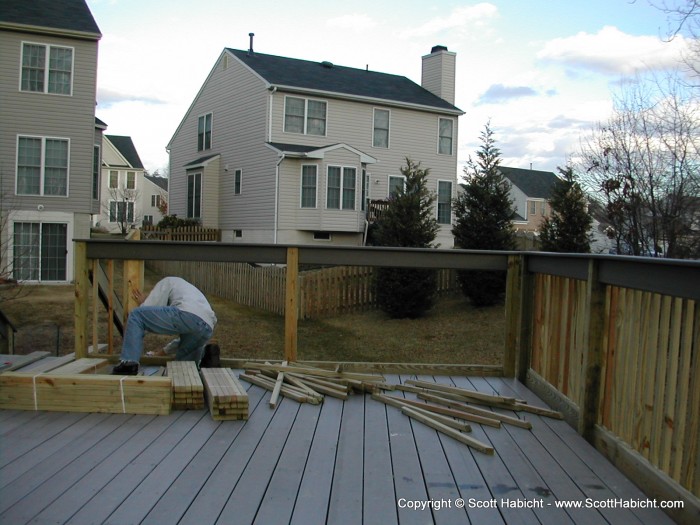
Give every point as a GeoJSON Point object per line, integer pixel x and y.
{"type": "Point", "coordinates": [286, 390]}
{"type": "Point", "coordinates": [514, 421]}
{"type": "Point", "coordinates": [47, 364]}
{"type": "Point", "coordinates": [466, 416]}
{"type": "Point", "coordinates": [188, 390]}
{"type": "Point", "coordinates": [311, 371]}
{"type": "Point", "coordinates": [84, 365]}
{"type": "Point", "coordinates": [445, 420]}
{"type": "Point", "coordinates": [226, 397]}
{"type": "Point", "coordinates": [85, 393]}
{"type": "Point", "coordinates": [455, 434]}
{"type": "Point", "coordinates": [472, 394]}
{"type": "Point", "coordinates": [19, 361]}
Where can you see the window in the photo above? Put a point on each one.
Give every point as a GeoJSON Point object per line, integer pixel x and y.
{"type": "Point", "coordinates": [194, 195]}
{"type": "Point", "coordinates": [237, 179]}
{"type": "Point", "coordinates": [380, 138]}
{"type": "Point", "coordinates": [204, 132]}
{"type": "Point", "coordinates": [533, 207]}
{"type": "Point", "coordinates": [341, 186]}
{"type": "Point", "coordinates": [397, 184]}
{"type": "Point", "coordinates": [322, 236]}
{"type": "Point", "coordinates": [47, 69]}
{"type": "Point", "coordinates": [445, 136]}
{"type": "Point", "coordinates": [156, 201]}
{"type": "Point", "coordinates": [96, 158]}
{"type": "Point", "coordinates": [130, 180]}
{"type": "Point", "coordinates": [444, 202]}
{"type": "Point", "coordinates": [42, 166]}
{"type": "Point", "coordinates": [304, 116]}
{"type": "Point", "coordinates": [39, 251]}
{"type": "Point", "coordinates": [121, 211]}
{"type": "Point", "coordinates": [309, 181]}
{"type": "Point", "coordinates": [148, 220]}
{"type": "Point", "coordinates": [113, 179]}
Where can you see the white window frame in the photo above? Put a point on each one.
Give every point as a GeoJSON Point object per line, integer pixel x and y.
{"type": "Point", "coordinates": [374, 128]}
{"type": "Point", "coordinates": [130, 207]}
{"type": "Point", "coordinates": [389, 186]}
{"type": "Point", "coordinates": [204, 116]}
{"type": "Point", "coordinates": [341, 202]}
{"type": "Point", "coordinates": [237, 181]}
{"type": "Point", "coordinates": [301, 187]}
{"type": "Point", "coordinates": [201, 195]}
{"type": "Point", "coordinates": [109, 181]}
{"type": "Point", "coordinates": [452, 136]}
{"type": "Point", "coordinates": [47, 71]}
{"type": "Point", "coordinates": [42, 167]}
{"type": "Point", "coordinates": [305, 130]}
{"type": "Point", "coordinates": [437, 202]}
{"type": "Point", "coordinates": [126, 181]}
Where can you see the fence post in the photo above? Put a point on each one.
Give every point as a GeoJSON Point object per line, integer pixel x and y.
{"type": "Point", "coordinates": [82, 296]}
{"type": "Point", "coordinates": [133, 279]}
{"type": "Point", "coordinates": [594, 337]}
{"type": "Point", "coordinates": [291, 305]}
{"type": "Point", "coordinates": [516, 357]}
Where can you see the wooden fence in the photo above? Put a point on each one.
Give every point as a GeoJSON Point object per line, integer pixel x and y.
{"type": "Point", "coordinates": [184, 233]}
{"type": "Point", "coordinates": [323, 292]}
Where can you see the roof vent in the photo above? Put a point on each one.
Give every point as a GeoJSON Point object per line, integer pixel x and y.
{"type": "Point", "coordinates": [435, 49]}
{"type": "Point", "coordinates": [327, 65]}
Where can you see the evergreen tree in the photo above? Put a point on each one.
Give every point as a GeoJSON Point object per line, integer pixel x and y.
{"type": "Point", "coordinates": [483, 215]}
{"type": "Point", "coordinates": [408, 222]}
{"type": "Point", "coordinates": [567, 228]}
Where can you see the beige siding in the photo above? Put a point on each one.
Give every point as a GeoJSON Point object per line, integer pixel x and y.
{"type": "Point", "coordinates": [438, 75]}
{"type": "Point", "coordinates": [238, 101]}
{"type": "Point", "coordinates": [71, 117]}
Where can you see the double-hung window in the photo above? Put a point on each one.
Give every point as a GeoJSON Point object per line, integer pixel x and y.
{"type": "Point", "coordinates": [113, 179]}
{"type": "Point", "coordinates": [237, 181]}
{"type": "Point", "coordinates": [444, 202]}
{"type": "Point", "coordinates": [397, 184]}
{"type": "Point", "coordinates": [306, 116]}
{"type": "Point", "coordinates": [204, 132]}
{"type": "Point", "coordinates": [380, 137]}
{"type": "Point", "coordinates": [194, 195]}
{"type": "Point", "coordinates": [445, 133]}
{"type": "Point", "coordinates": [341, 188]}
{"type": "Point", "coordinates": [42, 166]}
{"type": "Point", "coordinates": [130, 180]}
{"type": "Point", "coordinates": [309, 185]}
{"type": "Point", "coordinates": [47, 69]}
{"type": "Point", "coordinates": [121, 211]}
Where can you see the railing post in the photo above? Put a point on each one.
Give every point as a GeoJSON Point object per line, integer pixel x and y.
{"type": "Point", "coordinates": [516, 357]}
{"type": "Point", "coordinates": [82, 299]}
{"type": "Point", "coordinates": [291, 305]}
{"type": "Point", "coordinates": [594, 338]}
{"type": "Point", "coordinates": [133, 279]}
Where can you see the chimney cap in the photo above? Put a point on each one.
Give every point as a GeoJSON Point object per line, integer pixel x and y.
{"type": "Point", "coordinates": [438, 48]}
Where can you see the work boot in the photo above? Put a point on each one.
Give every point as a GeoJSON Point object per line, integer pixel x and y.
{"type": "Point", "coordinates": [210, 359]}
{"type": "Point", "coordinates": [126, 368]}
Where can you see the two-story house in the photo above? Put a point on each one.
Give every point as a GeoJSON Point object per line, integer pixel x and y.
{"type": "Point", "coordinates": [129, 197]}
{"type": "Point", "coordinates": [50, 141]}
{"type": "Point", "coordinates": [530, 191]}
{"type": "Point", "coordinates": [280, 150]}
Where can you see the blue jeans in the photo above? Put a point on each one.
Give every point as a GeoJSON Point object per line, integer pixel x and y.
{"type": "Point", "coordinates": [193, 331]}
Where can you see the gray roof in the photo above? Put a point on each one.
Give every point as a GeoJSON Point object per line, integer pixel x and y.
{"type": "Point", "coordinates": [68, 15]}
{"type": "Point", "coordinates": [126, 147]}
{"type": "Point", "coordinates": [533, 183]}
{"type": "Point", "coordinates": [330, 78]}
{"type": "Point", "coordinates": [161, 182]}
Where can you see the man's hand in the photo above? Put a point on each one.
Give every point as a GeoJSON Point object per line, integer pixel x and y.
{"type": "Point", "coordinates": [138, 295]}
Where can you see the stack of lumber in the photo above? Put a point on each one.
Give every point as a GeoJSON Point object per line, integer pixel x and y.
{"type": "Point", "coordinates": [188, 390]}
{"type": "Point", "coordinates": [85, 393]}
{"type": "Point", "coordinates": [307, 384]}
{"type": "Point", "coordinates": [226, 397]}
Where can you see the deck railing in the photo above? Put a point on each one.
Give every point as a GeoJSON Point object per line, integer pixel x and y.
{"type": "Point", "coordinates": [611, 341]}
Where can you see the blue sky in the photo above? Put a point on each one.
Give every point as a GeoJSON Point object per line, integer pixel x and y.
{"type": "Point", "coordinates": [543, 72]}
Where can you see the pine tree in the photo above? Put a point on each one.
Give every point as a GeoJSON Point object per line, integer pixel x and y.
{"type": "Point", "coordinates": [483, 215]}
{"type": "Point", "coordinates": [408, 222]}
{"type": "Point", "coordinates": [567, 228]}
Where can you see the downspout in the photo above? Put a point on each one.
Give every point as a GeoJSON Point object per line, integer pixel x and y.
{"type": "Point", "coordinates": [277, 192]}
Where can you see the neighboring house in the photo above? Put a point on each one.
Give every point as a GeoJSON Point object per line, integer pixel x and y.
{"type": "Point", "coordinates": [280, 150]}
{"type": "Point", "coordinates": [50, 141]}
{"type": "Point", "coordinates": [129, 197]}
{"type": "Point", "coordinates": [530, 191]}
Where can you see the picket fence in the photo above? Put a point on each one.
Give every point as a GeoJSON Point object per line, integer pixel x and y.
{"type": "Point", "coordinates": [323, 292]}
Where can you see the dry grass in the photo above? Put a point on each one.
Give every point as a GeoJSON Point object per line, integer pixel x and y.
{"type": "Point", "coordinates": [452, 332]}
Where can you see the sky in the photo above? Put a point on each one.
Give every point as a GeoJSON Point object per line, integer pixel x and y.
{"type": "Point", "coordinates": [543, 73]}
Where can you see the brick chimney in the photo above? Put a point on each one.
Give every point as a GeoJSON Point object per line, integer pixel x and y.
{"type": "Point", "coordinates": [438, 73]}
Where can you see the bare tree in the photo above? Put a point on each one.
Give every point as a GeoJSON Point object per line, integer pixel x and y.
{"type": "Point", "coordinates": [121, 205]}
{"type": "Point", "coordinates": [643, 166]}
{"type": "Point", "coordinates": [683, 16]}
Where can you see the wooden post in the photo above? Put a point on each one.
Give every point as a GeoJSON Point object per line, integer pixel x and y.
{"type": "Point", "coordinates": [291, 305]}
{"type": "Point", "coordinates": [133, 279]}
{"type": "Point", "coordinates": [594, 338]}
{"type": "Point", "coordinates": [82, 299]}
{"type": "Point", "coordinates": [513, 292]}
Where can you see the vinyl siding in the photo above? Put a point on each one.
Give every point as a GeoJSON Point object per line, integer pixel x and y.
{"type": "Point", "coordinates": [438, 75]}
{"type": "Point", "coordinates": [46, 115]}
{"type": "Point", "coordinates": [238, 101]}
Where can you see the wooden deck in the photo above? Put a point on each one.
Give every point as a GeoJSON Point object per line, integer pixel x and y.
{"type": "Point", "coordinates": [357, 461]}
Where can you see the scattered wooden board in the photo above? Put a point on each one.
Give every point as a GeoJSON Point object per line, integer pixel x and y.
{"type": "Point", "coordinates": [188, 390]}
{"type": "Point", "coordinates": [12, 362]}
{"type": "Point", "coordinates": [84, 365]}
{"type": "Point", "coordinates": [226, 397]}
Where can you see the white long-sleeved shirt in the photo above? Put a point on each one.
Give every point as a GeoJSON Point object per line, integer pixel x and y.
{"type": "Point", "coordinates": [174, 291]}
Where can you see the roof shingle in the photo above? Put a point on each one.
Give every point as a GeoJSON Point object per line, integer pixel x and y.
{"type": "Point", "coordinates": [69, 15]}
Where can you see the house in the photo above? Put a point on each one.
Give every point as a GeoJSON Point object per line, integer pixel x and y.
{"type": "Point", "coordinates": [281, 150]}
{"type": "Point", "coordinates": [530, 191]}
{"type": "Point", "coordinates": [50, 141]}
{"type": "Point", "coordinates": [128, 196]}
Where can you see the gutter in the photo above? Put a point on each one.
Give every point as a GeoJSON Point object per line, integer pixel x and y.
{"type": "Point", "coordinates": [277, 193]}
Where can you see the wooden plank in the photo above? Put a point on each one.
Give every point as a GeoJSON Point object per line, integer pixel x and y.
{"type": "Point", "coordinates": [47, 364]}
{"type": "Point", "coordinates": [85, 365]}
{"type": "Point", "coordinates": [463, 392]}
{"type": "Point", "coordinates": [401, 403]}
{"type": "Point", "coordinates": [15, 361]}
{"type": "Point", "coordinates": [477, 411]}
{"type": "Point", "coordinates": [276, 390]}
{"type": "Point", "coordinates": [82, 298]}
{"type": "Point", "coordinates": [440, 427]}
{"type": "Point", "coordinates": [291, 305]}
{"type": "Point", "coordinates": [466, 416]}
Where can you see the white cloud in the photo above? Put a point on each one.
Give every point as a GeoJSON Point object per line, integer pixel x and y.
{"type": "Point", "coordinates": [611, 51]}
{"type": "Point", "coordinates": [459, 18]}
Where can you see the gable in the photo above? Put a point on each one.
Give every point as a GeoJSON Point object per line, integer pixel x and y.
{"type": "Point", "coordinates": [535, 184]}
{"type": "Point", "coordinates": [62, 16]}
{"type": "Point", "coordinates": [325, 77]}
{"type": "Point", "coordinates": [126, 149]}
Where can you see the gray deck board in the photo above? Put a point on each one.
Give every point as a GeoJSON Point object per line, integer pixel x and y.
{"type": "Point", "coordinates": [339, 462]}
